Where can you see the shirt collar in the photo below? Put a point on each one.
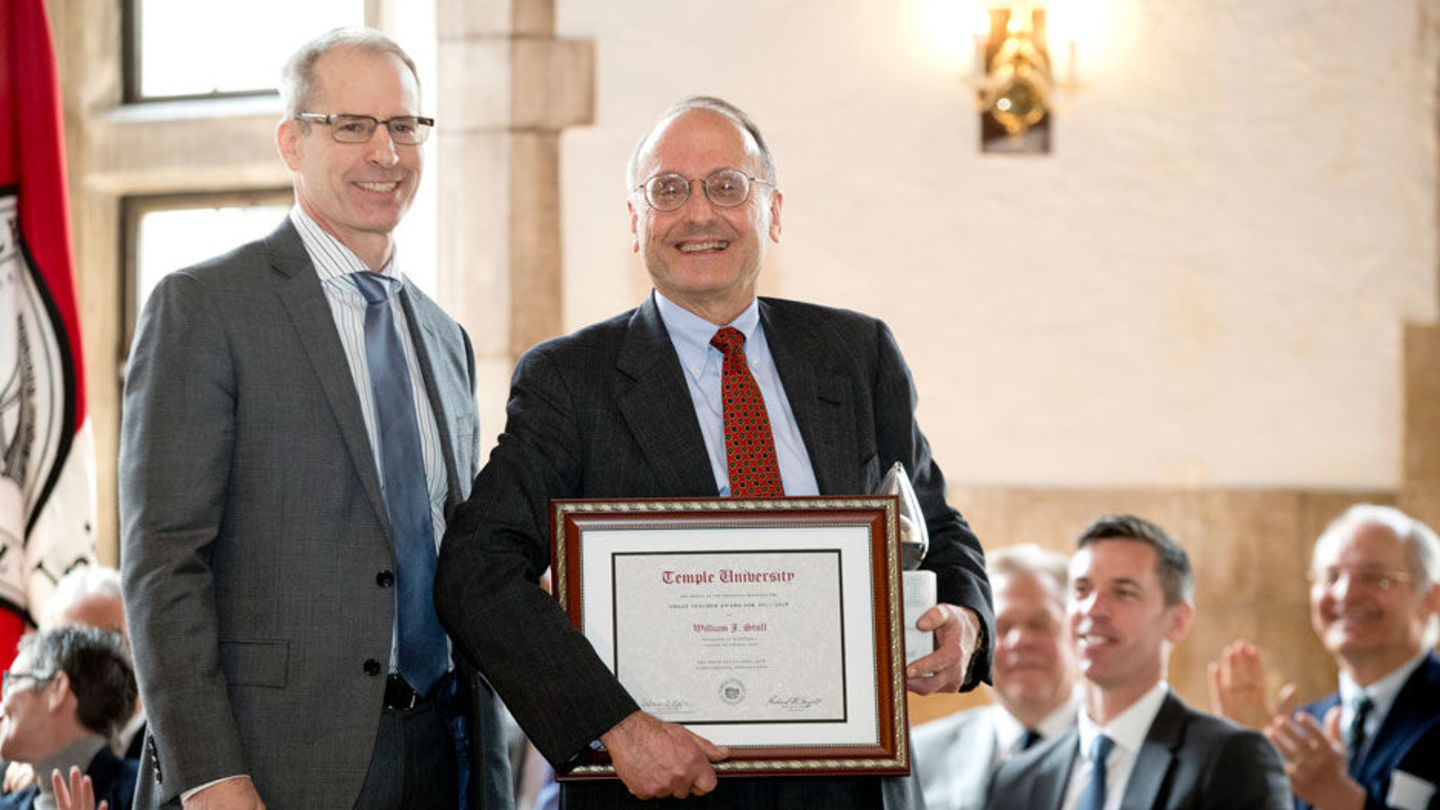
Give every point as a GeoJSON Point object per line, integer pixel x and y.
{"type": "Point", "coordinates": [691, 333]}
{"type": "Point", "coordinates": [1129, 728]}
{"type": "Point", "coordinates": [1009, 731]}
{"type": "Point", "coordinates": [1383, 692]}
{"type": "Point", "coordinates": [333, 261]}
{"type": "Point", "coordinates": [78, 753]}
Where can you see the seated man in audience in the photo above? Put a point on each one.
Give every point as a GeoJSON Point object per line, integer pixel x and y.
{"type": "Point", "coordinates": [89, 596]}
{"type": "Point", "coordinates": [68, 692]}
{"type": "Point", "coordinates": [1137, 745]}
{"type": "Point", "coordinates": [1375, 604]}
{"type": "Point", "coordinates": [1034, 672]}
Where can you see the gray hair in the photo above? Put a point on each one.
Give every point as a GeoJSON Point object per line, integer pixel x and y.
{"type": "Point", "coordinates": [1422, 547]}
{"type": "Point", "coordinates": [298, 82]}
{"type": "Point", "coordinates": [79, 584]}
{"type": "Point", "coordinates": [715, 105]}
{"type": "Point", "coordinates": [1028, 558]}
{"type": "Point", "coordinates": [98, 666]}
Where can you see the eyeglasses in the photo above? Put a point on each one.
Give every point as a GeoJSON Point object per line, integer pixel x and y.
{"type": "Point", "coordinates": [1370, 579]}
{"type": "Point", "coordinates": [410, 130]}
{"type": "Point", "coordinates": [726, 188]}
{"type": "Point", "coordinates": [11, 677]}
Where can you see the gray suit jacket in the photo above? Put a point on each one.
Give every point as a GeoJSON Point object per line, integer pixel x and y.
{"type": "Point", "coordinates": [953, 757]}
{"type": "Point", "coordinates": [1189, 761]}
{"type": "Point", "coordinates": [254, 530]}
{"type": "Point", "coordinates": [605, 413]}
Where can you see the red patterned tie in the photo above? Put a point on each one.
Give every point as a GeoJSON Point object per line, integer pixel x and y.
{"type": "Point", "coordinates": [749, 447]}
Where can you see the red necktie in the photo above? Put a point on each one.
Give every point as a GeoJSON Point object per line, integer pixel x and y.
{"type": "Point", "coordinates": [749, 447]}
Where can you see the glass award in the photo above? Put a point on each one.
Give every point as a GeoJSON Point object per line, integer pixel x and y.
{"type": "Point", "coordinates": [919, 586]}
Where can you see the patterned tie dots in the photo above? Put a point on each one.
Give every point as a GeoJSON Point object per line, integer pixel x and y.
{"type": "Point", "coordinates": [749, 447]}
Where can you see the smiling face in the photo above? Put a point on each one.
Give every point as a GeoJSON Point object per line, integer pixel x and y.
{"type": "Point", "coordinates": [703, 257]}
{"type": "Point", "coordinates": [1121, 626]}
{"type": "Point", "coordinates": [1370, 629]}
{"type": "Point", "coordinates": [24, 714]}
{"type": "Point", "coordinates": [1034, 667]}
{"type": "Point", "coordinates": [357, 192]}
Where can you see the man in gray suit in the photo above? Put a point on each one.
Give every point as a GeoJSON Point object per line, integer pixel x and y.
{"type": "Point", "coordinates": [1034, 691]}
{"type": "Point", "coordinates": [1138, 746]}
{"type": "Point", "coordinates": [633, 408]}
{"type": "Point", "coordinates": [297, 415]}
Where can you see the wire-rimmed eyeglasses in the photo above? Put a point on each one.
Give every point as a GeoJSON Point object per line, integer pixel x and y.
{"type": "Point", "coordinates": [1370, 579]}
{"type": "Point", "coordinates": [11, 677]}
{"type": "Point", "coordinates": [410, 130]}
{"type": "Point", "coordinates": [725, 188]}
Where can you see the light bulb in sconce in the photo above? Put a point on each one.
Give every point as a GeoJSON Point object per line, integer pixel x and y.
{"type": "Point", "coordinates": [1017, 75]}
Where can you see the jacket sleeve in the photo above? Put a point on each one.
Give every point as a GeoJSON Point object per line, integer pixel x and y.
{"type": "Point", "coordinates": [491, 560]}
{"type": "Point", "coordinates": [955, 554]}
{"type": "Point", "coordinates": [175, 456]}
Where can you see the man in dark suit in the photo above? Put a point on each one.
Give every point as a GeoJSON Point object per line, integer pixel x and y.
{"type": "Point", "coordinates": [1138, 746]}
{"type": "Point", "coordinates": [67, 694]}
{"type": "Point", "coordinates": [299, 424]}
{"type": "Point", "coordinates": [1375, 604]}
{"type": "Point", "coordinates": [633, 408]}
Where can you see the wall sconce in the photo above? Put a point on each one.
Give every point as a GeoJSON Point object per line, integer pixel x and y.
{"type": "Point", "coordinates": [1015, 76]}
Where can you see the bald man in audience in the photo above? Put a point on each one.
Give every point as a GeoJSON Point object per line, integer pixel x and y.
{"type": "Point", "coordinates": [1034, 692]}
{"type": "Point", "coordinates": [1375, 605]}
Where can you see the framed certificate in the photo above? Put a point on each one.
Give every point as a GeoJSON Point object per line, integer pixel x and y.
{"type": "Point", "coordinates": [772, 627]}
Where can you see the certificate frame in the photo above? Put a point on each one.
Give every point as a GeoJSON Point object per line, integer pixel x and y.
{"type": "Point", "coordinates": [590, 538]}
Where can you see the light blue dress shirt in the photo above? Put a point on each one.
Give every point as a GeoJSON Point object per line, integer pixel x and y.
{"type": "Point", "coordinates": [690, 335]}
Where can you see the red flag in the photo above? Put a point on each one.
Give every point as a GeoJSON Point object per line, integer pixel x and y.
{"type": "Point", "coordinates": [47, 481]}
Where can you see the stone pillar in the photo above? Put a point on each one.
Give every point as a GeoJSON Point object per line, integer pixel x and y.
{"type": "Point", "coordinates": [1420, 487]}
{"type": "Point", "coordinates": [507, 88]}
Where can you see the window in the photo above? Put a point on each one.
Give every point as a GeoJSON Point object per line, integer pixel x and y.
{"type": "Point", "coordinates": [181, 48]}
{"type": "Point", "coordinates": [172, 232]}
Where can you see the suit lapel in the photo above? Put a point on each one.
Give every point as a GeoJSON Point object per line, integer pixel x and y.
{"type": "Point", "coordinates": [1417, 703]}
{"type": "Point", "coordinates": [1157, 754]}
{"type": "Point", "coordinates": [310, 315]}
{"type": "Point", "coordinates": [1052, 772]}
{"type": "Point", "coordinates": [423, 334]}
{"type": "Point", "coordinates": [819, 397]}
{"type": "Point", "coordinates": [652, 396]}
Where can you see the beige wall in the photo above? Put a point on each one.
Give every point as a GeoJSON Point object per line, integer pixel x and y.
{"type": "Point", "coordinates": [1204, 284]}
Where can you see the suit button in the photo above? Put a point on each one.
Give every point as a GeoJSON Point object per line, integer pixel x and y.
{"type": "Point", "coordinates": [385, 578]}
{"type": "Point", "coordinates": [372, 667]}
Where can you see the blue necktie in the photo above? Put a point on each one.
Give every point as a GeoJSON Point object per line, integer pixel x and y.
{"type": "Point", "coordinates": [1094, 796]}
{"type": "Point", "coordinates": [407, 494]}
{"type": "Point", "coordinates": [1355, 735]}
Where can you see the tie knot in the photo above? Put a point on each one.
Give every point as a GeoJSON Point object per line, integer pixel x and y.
{"type": "Point", "coordinates": [1100, 749]}
{"type": "Point", "coordinates": [373, 286]}
{"type": "Point", "coordinates": [1030, 738]}
{"type": "Point", "coordinates": [728, 340]}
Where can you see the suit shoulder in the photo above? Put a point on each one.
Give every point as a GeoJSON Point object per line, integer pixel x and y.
{"type": "Point", "coordinates": [952, 726]}
{"type": "Point", "coordinates": [603, 338]}
{"type": "Point", "coordinates": [820, 313]}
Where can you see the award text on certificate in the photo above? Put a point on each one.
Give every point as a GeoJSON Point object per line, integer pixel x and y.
{"type": "Point", "coordinates": [731, 637]}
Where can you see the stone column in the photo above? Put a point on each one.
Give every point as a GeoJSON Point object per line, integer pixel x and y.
{"type": "Point", "coordinates": [507, 88]}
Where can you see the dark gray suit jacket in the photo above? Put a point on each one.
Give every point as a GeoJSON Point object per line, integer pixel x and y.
{"type": "Point", "coordinates": [254, 530]}
{"type": "Point", "coordinates": [605, 413]}
{"type": "Point", "coordinates": [1189, 761]}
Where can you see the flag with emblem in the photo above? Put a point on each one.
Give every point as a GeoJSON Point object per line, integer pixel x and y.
{"type": "Point", "coordinates": [47, 477]}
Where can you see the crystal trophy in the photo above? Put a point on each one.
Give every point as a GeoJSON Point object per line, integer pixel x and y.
{"type": "Point", "coordinates": [919, 587]}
